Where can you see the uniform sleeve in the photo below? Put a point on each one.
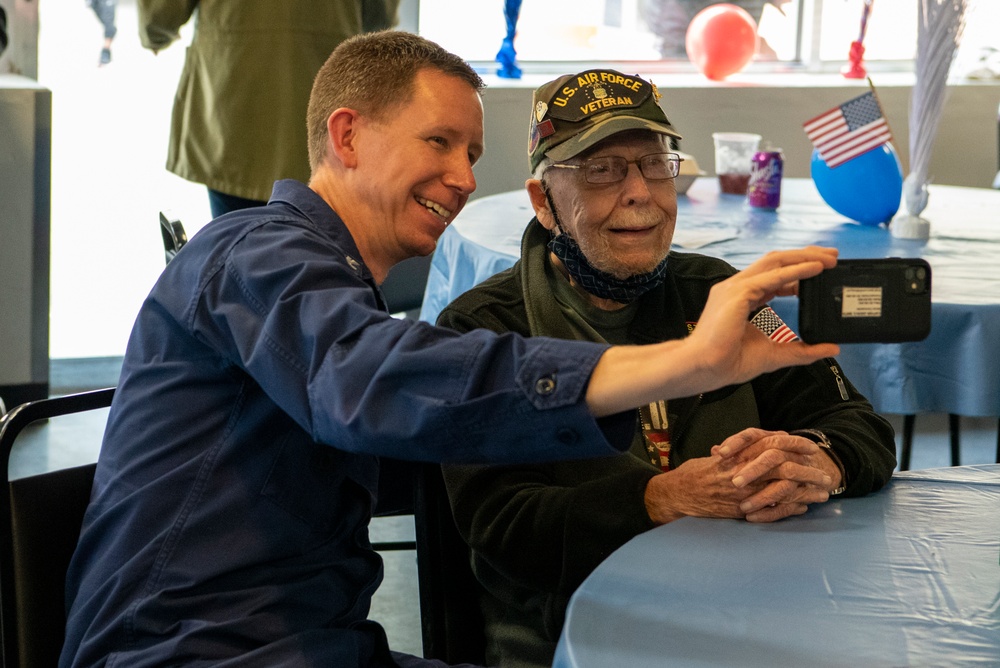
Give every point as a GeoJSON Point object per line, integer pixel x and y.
{"type": "Point", "coordinates": [568, 516]}
{"type": "Point", "coordinates": [160, 21]}
{"type": "Point", "coordinates": [293, 314]}
{"type": "Point", "coordinates": [820, 396]}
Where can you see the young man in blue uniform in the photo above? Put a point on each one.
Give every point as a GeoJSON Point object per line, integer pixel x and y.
{"type": "Point", "coordinates": [264, 378]}
{"type": "Point", "coordinates": [596, 265]}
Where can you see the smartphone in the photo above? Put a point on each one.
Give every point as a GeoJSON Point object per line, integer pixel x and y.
{"type": "Point", "coordinates": [886, 300]}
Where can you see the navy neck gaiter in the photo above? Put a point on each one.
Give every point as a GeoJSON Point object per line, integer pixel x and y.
{"type": "Point", "coordinates": [593, 280]}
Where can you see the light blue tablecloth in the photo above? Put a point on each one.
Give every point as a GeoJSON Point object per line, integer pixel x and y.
{"type": "Point", "coordinates": [908, 576]}
{"type": "Point", "coordinates": [955, 370]}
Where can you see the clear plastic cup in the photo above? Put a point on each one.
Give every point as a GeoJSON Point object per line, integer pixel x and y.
{"type": "Point", "coordinates": [733, 153]}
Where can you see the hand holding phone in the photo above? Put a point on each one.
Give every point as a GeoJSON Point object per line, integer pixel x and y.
{"type": "Point", "coordinates": [886, 300]}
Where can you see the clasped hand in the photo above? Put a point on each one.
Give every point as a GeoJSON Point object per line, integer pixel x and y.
{"type": "Point", "coordinates": [757, 475]}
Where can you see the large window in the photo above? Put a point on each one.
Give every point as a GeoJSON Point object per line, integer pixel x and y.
{"type": "Point", "coordinates": [800, 34]}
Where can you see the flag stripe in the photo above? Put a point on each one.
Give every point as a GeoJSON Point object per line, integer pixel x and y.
{"type": "Point", "coordinates": [856, 148]}
{"type": "Point", "coordinates": [831, 134]}
{"type": "Point", "coordinates": [823, 118]}
{"type": "Point", "coordinates": [857, 137]}
{"type": "Point", "coordinates": [783, 334]}
{"type": "Point", "coordinates": [849, 146]}
{"type": "Point", "coordinates": [860, 149]}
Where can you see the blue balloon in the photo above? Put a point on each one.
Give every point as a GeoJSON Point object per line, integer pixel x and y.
{"type": "Point", "coordinates": [867, 188]}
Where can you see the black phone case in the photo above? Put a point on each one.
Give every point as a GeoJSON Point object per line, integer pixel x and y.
{"type": "Point", "coordinates": [885, 300]}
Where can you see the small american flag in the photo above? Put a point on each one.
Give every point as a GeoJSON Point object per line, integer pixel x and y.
{"type": "Point", "coordinates": [847, 131]}
{"type": "Point", "coordinates": [771, 324]}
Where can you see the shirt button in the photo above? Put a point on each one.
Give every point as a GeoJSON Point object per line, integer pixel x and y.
{"type": "Point", "coordinates": [567, 436]}
{"type": "Point", "coordinates": [545, 385]}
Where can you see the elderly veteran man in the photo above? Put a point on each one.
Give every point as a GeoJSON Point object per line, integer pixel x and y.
{"type": "Point", "coordinates": [596, 265]}
{"type": "Point", "coordinates": [228, 523]}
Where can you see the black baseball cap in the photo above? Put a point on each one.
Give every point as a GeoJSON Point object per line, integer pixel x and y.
{"type": "Point", "coordinates": [575, 111]}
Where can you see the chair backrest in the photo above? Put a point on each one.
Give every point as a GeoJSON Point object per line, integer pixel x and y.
{"type": "Point", "coordinates": [403, 288]}
{"type": "Point", "coordinates": [40, 519]}
{"type": "Point", "coordinates": [174, 236]}
{"type": "Point", "coordinates": [450, 617]}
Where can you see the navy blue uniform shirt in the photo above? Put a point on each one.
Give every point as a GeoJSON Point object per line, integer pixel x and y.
{"type": "Point", "coordinates": [228, 523]}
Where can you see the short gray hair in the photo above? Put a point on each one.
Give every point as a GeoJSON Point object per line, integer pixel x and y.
{"type": "Point", "coordinates": [543, 164]}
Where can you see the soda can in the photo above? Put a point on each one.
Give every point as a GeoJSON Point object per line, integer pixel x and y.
{"type": "Point", "coordinates": [764, 191]}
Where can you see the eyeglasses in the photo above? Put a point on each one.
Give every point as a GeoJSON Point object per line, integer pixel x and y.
{"type": "Point", "coordinates": [614, 168]}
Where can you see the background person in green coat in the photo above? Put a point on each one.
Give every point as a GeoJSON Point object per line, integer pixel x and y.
{"type": "Point", "coordinates": [237, 124]}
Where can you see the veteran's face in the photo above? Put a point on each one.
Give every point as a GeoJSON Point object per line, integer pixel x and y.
{"type": "Point", "coordinates": [623, 228]}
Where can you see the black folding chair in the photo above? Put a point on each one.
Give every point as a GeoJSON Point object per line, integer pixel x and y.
{"type": "Point", "coordinates": [40, 523]}
{"type": "Point", "coordinates": [403, 288]}
{"type": "Point", "coordinates": [174, 236]}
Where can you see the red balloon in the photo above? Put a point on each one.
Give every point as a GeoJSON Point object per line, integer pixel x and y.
{"type": "Point", "coordinates": [721, 39]}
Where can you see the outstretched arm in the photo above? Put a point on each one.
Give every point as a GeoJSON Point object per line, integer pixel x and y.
{"type": "Point", "coordinates": [724, 349]}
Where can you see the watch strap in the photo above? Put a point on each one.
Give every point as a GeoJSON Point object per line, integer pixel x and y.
{"type": "Point", "coordinates": [820, 439]}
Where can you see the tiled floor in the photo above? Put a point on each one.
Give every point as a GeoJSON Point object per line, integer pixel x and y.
{"type": "Point", "coordinates": [72, 440]}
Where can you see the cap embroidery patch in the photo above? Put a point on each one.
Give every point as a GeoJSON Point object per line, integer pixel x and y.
{"type": "Point", "coordinates": [595, 91]}
{"type": "Point", "coordinates": [540, 110]}
{"type": "Point", "coordinates": [539, 131]}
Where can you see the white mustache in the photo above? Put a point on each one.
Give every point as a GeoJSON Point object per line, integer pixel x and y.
{"type": "Point", "coordinates": [634, 220]}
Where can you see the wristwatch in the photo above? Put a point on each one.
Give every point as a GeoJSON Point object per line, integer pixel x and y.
{"type": "Point", "coordinates": [820, 439]}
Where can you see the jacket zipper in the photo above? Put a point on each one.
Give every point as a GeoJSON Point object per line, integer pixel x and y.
{"type": "Point", "coordinates": [675, 438]}
{"type": "Point", "coordinates": [840, 382]}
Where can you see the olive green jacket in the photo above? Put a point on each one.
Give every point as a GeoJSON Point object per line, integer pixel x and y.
{"type": "Point", "coordinates": [239, 117]}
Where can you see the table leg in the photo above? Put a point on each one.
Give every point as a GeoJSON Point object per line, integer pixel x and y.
{"type": "Point", "coordinates": [904, 455]}
{"type": "Point", "coordinates": [953, 433]}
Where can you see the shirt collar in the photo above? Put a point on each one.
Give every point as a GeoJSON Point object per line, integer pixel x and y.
{"type": "Point", "coordinates": [308, 203]}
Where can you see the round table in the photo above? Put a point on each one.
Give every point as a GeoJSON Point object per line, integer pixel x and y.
{"type": "Point", "coordinates": [904, 577]}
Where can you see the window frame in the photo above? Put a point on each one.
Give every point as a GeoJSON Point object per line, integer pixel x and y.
{"type": "Point", "coordinates": [806, 59]}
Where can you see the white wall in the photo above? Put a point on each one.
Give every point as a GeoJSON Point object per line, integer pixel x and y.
{"type": "Point", "coordinates": [965, 149]}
